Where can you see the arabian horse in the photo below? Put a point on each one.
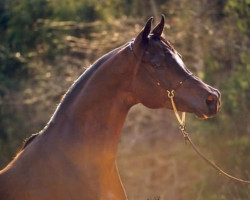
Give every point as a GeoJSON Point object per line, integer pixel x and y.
{"type": "Point", "coordinates": [74, 156]}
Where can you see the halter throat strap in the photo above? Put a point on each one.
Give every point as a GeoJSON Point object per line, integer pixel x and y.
{"type": "Point", "coordinates": [170, 93]}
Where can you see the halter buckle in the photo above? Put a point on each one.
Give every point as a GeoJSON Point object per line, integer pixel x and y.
{"type": "Point", "coordinates": [170, 94]}
{"type": "Point", "coordinates": [182, 128]}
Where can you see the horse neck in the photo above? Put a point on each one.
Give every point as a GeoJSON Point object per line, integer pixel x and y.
{"type": "Point", "coordinates": [93, 112]}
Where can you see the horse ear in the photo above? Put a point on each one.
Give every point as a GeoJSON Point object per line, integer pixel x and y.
{"type": "Point", "coordinates": [143, 35]}
{"type": "Point", "coordinates": [159, 28]}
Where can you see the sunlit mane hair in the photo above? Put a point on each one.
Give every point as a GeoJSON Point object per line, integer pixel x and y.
{"type": "Point", "coordinates": [168, 43]}
{"type": "Point", "coordinates": [171, 46]}
{"type": "Point", "coordinates": [156, 37]}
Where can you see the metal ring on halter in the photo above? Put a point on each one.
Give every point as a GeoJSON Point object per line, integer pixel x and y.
{"type": "Point", "coordinates": [170, 94]}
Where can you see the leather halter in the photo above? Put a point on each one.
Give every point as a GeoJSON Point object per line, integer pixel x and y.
{"type": "Point", "coordinates": [182, 124]}
{"type": "Point", "coordinates": [140, 60]}
{"type": "Point", "coordinates": [170, 92]}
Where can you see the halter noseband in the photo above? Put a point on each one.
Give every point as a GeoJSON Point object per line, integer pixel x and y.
{"type": "Point", "coordinates": [170, 92]}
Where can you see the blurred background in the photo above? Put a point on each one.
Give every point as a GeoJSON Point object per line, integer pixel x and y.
{"type": "Point", "coordinates": [46, 44]}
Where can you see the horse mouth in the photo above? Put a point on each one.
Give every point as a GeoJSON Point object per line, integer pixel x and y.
{"type": "Point", "coordinates": [203, 116]}
{"type": "Point", "coordinates": [208, 112]}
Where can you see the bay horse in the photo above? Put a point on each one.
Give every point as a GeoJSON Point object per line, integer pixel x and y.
{"type": "Point", "coordinates": [74, 156]}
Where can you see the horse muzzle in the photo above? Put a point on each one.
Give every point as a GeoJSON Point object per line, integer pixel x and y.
{"type": "Point", "coordinates": [212, 103]}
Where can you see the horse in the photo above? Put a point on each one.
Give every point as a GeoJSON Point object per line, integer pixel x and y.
{"type": "Point", "coordinates": [74, 156]}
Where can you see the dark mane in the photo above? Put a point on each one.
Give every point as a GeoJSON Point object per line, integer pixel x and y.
{"type": "Point", "coordinates": [29, 140]}
{"type": "Point", "coordinates": [83, 79]}
{"type": "Point", "coordinates": [168, 43]}
{"type": "Point", "coordinates": [156, 37]}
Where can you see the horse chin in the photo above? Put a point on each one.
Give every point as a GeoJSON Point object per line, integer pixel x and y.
{"type": "Point", "coordinates": [203, 116]}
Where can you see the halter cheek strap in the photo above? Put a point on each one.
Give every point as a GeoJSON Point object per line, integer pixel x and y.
{"type": "Point", "coordinates": [170, 93]}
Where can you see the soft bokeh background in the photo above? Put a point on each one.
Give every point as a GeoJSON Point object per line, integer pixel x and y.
{"type": "Point", "coordinates": [46, 44]}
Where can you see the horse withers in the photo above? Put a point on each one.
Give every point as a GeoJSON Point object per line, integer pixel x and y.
{"type": "Point", "coordinates": [74, 156]}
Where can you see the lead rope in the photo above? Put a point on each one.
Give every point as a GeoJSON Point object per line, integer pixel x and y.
{"type": "Point", "coordinates": [187, 138]}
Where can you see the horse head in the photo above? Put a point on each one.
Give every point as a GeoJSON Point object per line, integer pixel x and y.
{"type": "Point", "coordinates": [159, 68]}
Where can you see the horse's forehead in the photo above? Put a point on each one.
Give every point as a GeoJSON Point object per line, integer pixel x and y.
{"type": "Point", "coordinates": [159, 44]}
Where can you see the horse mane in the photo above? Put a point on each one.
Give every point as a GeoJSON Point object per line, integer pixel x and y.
{"type": "Point", "coordinates": [73, 90]}
{"type": "Point", "coordinates": [156, 37]}
{"type": "Point", "coordinates": [83, 79]}
{"type": "Point", "coordinates": [28, 140]}
{"type": "Point", "coordinates": [168, 43]}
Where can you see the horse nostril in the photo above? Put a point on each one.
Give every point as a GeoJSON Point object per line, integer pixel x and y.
{"type": "Point", "coordinates": [210, 100]}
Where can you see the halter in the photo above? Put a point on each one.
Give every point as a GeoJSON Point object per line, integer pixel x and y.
{"type": "Point", "coordinates": [181, 121]}
{"type": "Point", "coordinates": [170, 92]}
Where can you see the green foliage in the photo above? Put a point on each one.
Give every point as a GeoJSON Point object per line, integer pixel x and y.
{"type": "Point", "coordinates": [11, 67]}
{"type": "Point", "coordinates": [230, 69]}
{"type": "Point", "coordinates": [240, 9]}
{"type": "Point", "coordinates": [73, 10]}
{"type": "Point", "coordinates": [227, 67]}
{"type": "Point", "coordinates": [237, 87]}
{"type": "Point", "coordinates": [20, 18]}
